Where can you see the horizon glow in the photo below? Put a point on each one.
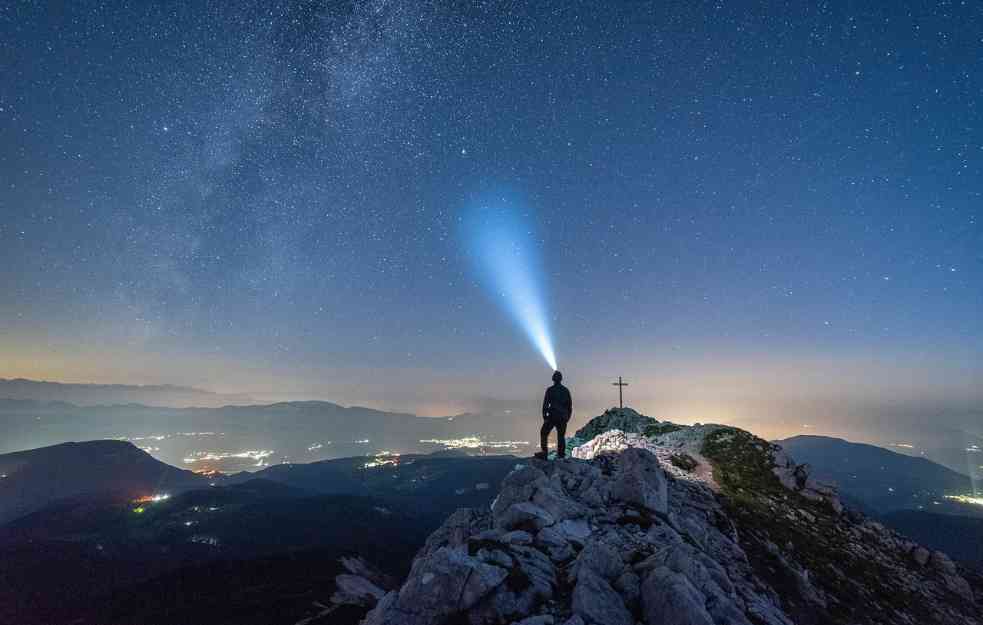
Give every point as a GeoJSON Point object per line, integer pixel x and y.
{"type": "Point", "coordinates": [500, 239]}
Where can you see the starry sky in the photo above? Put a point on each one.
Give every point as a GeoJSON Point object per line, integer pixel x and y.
{"type": "Point", "coordinates": [768, 214]}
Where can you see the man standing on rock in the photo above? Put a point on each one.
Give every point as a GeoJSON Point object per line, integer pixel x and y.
{"type": "Point", "coordinates": [557, 410]}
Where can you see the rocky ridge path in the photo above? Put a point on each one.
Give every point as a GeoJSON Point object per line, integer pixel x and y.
{"type": "Point", "coordinates": [671, 525]}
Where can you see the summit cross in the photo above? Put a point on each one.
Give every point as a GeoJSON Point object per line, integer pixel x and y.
{"type": "Point", "coordinates": [621, 385]}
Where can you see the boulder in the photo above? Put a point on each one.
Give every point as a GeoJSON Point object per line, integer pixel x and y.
{"type": "Point", "coordinates": [356, 590]}
{"type": "Point", "coordinates": [668, 598]}
{"type": "Point", "coordinates": [448, 582]}
{"type": "Point", "coordinates": [601, 558]}
{"type": "Point", "coordinates": [517, 537]}
{"type": "Point", "coordinates": [525, 516]}
{"type": "Point", "coordinates": [629, 586]}
{"type": "Point", "coordinates": [552, 498]}
{"type": "Point", "coordinates": [597, 602]}
{"type": "Point", "coordinates": [640, 481]}
{"type": "Point", "coordinates": [445, 582]}
{"type": "Point", "coordinates": [554, 544]}
{"type": "Point", "coordinates": [518, 486]}
{"type": "Point", "coordinates": [574, 531]}
{"type": "Point", "coordinates": [920, 555]}
{"type": "Point", "coordinates": [455, 531]}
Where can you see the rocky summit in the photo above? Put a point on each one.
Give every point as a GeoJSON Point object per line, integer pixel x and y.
{"type": "Point", "coordinates": [663, 524]}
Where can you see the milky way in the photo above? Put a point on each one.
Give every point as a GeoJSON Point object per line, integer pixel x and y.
{"type": "Point", "coordinates": [263, 196]}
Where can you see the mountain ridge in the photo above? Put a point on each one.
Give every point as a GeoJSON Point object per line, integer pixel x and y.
{"type": "Point", "coordinates": [633, 528]}
{"type": "Point", "coordinates": [92, 394]}
{"type": "Point", "coordinates": [35, 478]}
{"type": "Point", "coordinates": [882, 479]}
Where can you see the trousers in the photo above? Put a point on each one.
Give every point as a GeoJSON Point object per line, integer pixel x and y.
{"type": "Point", "coordinates": [561, 435]}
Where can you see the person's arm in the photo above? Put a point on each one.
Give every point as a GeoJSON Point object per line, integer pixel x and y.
{"type": "Point", "coordinates": [546, 402]}
{"type": "Point", "coordinates": [569, 405]}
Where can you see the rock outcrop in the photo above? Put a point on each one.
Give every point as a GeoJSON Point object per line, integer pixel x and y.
{"type": "Point", "coordinates": [623, 419]}
{"type": "Point", "coordinates": [702, 525]}
{"type": "Point", "coordinates": [796, 477]}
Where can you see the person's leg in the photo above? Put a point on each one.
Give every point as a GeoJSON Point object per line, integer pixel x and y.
{"type": "Point", "coordinates": [544, 436]}
{"type": "Point", "coordinates": [561, 439]}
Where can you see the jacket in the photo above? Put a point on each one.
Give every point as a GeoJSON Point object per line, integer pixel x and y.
{"type": "Point", "coordinates": [557, 403]}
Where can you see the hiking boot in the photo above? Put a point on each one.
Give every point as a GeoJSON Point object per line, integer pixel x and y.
{"type": "Point", "coordinates": [542, 455]}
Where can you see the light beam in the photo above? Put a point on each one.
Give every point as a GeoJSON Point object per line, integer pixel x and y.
{"type": "Point", "coordinates": [506, 256]}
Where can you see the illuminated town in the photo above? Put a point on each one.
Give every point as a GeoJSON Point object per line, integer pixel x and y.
{"type": "Point", "coordinates": [259, 455]}
{"type": "Point", "coordinates": [142, 502]}
{"type": "Point", "coordinates": [161, 437]}
{"type": "Point", "coordinates": [382, 459]}
{"type": "Point", "coordinates": [968, 499]}
{"type": "Point", "coordinates": [474, 442]}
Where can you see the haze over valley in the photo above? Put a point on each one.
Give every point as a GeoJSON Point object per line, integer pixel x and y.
{"type": "Point", "coordinates": [171, 424]}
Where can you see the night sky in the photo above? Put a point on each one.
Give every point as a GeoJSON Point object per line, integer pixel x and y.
{"type": "Point", "coordinates": [765, 213]}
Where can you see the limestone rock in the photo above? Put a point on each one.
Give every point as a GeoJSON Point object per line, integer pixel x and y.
{"type": "Point", "coordinates": [620, 534]}
{"type": "Point", "coordinates": [641, 481]}
{"type": "Point", "coordinates": [623, 419]}
{"type": "Point", "coordinates": [596, 601]}
{"type": "Point", "coordinates": [355, 590]}
{"type": "Point", "coordinates": [574, 531]}
{"type": "Point", "coordinates": [600, 558]}
{"type": "Point", "coordinates": [524, 515]}
{"type": "Point", "coordinates": [554, 544]}
{"type": "Point", "coordinates": [668, 598]}
{"type": "Point", "coordinates": [517, 537]}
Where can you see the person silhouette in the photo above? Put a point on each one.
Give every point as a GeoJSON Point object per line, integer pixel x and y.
{"type": "Point", "coordinates": [557, 410]}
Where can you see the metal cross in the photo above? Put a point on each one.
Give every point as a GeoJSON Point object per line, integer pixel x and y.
{"type": "Point", "coordinates": [620, 384]}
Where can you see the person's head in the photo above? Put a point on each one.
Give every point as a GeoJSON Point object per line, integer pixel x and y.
{"type": "Point", "coordinates": [557, 377]}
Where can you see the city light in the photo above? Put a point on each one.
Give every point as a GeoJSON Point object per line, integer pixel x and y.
{"type": "Point", "coordinates": [967, 499]}
{"type": "Point", "coordinates": [383, 458]}
{"type": "Point", "coordinates": [149, 499]}
{"type": "Point", "coordinates": [252, 454]}
{"type": "Point", "coordinates": [160, 437]}
{"type": "Point", "coordinates": [474, 442]}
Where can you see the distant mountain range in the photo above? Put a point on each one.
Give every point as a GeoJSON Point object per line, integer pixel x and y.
{"type": "Point", "coordinates": [108, 394]}
{"type": "Point", "coordinates": [878, 480]}
{"type": "Point", "coordinates": [903, 492]}
{"type": "Point", "coordinates": [30, 480]}
{"type": "Point", "coordinates": [217, 438]}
